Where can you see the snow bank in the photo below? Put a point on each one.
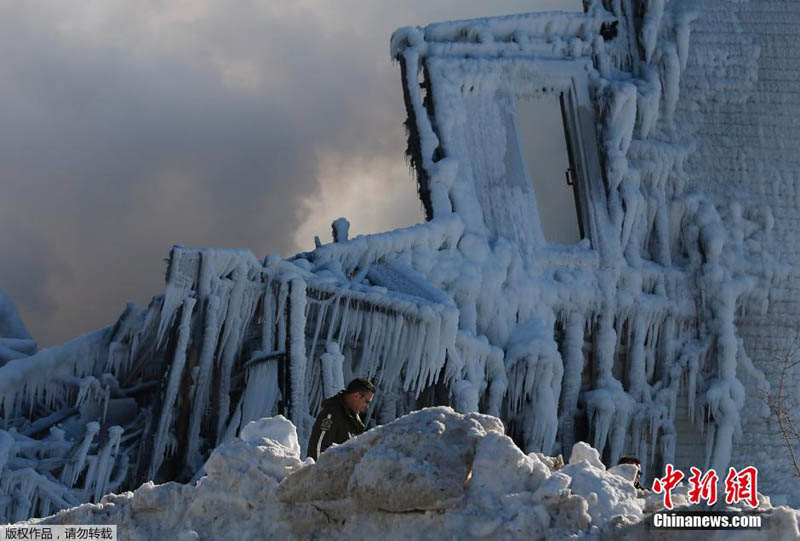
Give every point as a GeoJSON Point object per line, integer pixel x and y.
{"type": "Point", "coordinates": [434, 473]}
{"type": "Point", "coordinates": [278, 429]}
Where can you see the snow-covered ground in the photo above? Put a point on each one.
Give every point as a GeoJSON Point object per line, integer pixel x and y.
{"type": "Point", "coordinates": [432, 474]}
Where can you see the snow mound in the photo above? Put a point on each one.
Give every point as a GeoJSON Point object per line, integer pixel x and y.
{"type": "Point", "coordinates": [419, 462]}
{"type": "Point", "coordinates": [278, 429]}
{"type": "Point", "coordinates": [433, 473]}
{"type": "Point", "coordinates": [584, 451]}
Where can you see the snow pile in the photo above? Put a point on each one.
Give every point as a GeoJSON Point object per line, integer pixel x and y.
{"type": "Point", "coordinates": [431, 474]}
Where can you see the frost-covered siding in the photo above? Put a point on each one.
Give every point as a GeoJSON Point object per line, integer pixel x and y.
{"type": "Point", "coordinates": [741, 101]}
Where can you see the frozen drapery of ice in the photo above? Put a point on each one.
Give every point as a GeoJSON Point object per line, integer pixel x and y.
{"type": "Point", "coordinates": [397, 340]}
{"type": "Point", "coordinates": [175, 374]}
{"type": "Point", "coordinates": [233, 340]}
{"type": "Point", "coordinates": [535, 371]}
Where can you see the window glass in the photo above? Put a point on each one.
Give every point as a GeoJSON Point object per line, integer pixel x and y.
{"type": "Point", "coordinates": [543, 146]}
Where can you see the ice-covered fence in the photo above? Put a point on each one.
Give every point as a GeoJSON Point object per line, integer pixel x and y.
{"type": "Point", "coordinates": [399, 341]}
{"type": "Point", "coordinates": [245, 340]}
{"type": "Point", "coordinates": [231, 340]}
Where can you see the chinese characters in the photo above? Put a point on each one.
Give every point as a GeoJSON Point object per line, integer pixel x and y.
{"type": "Point", "coordinates": [740, 486]}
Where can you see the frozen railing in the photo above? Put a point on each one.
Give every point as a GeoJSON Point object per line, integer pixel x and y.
{"type": "Point", "coordinates": [150, 397]}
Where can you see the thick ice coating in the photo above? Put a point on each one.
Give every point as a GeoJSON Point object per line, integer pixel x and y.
{"type": "Point", "coordinates": [653, 336]}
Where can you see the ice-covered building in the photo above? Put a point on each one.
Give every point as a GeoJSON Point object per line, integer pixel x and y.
{"type": "Point", "coordinates": [637, 301]}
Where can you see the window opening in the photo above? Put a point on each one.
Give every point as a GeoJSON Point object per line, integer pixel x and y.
{"type": "Point", "coordinates": [545, 149]}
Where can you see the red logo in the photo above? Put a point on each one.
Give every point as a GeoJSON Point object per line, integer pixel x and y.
{"type": "Point", "coordinates": [667, 483]}
{"type": "Point", "coordinates": [739, 486]}
{"type": "Point", "coordinates": [704, 488]}
{"type": "Point", "coordinates": [742, 486]}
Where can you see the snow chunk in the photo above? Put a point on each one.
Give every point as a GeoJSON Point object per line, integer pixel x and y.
{"type": "Point", "coordinates": [278, 429]}
{"type": "Point", "coordinates": [584, 451]}
{"type": "Point", "coordinates": [500, 466]}
{"type": "Point", "coordinates": [626, 471]}
{"type": "Point", "coordinates": [608, 495]}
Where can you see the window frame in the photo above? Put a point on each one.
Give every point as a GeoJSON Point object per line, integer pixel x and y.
{"type": "Point", "coordinates": [449, 77]}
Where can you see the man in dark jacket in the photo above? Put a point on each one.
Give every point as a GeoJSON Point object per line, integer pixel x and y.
{"type": "Point", "coordinates": [339, 420]}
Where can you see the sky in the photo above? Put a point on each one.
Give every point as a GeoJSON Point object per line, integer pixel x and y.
{"type": "Point", "coordinates": [130, 127]}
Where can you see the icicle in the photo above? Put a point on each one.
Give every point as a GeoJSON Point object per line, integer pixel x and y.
{"type": "Point", "coordinates": [651, 22]}
{"type": "Point", "coordinates": [175, 374]}
{"type": "Point", "coordinates": [73, 469]}
{"type": "Point", "coordinates": [601, 408]}
{"type": "Point", "coordinates": [91, 477]}
{"type": "Point", "coordinates": [498, 380]}
{"type": "Point", "coordinates": [297, 354]}
{"type": "Point", "coordinates": [105, 461]}
{"type": "Point", "coordinates": [203, 380]}
{"type": "Point", "coordinates": [283, 295]}
{"type": "Point", "coordinates": [335, 322]}
{"type": "Point", "coordinates": [6, 450]}
{"type": "Point", "coordinates": [622, 415]}
{"type": "Point", "coordinates": [268, 316]}
{"type": "Point", "coordinates": [231, 342]}
{"type": "Point", "coordinates": [636, 360]}
{"type": "Point", "coordinates": [573, 372]}
{"type": "Point", "coordinates": [320, 313]}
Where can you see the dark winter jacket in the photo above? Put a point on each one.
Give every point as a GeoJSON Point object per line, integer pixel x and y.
{"type": "Point", "coordinates": [336, 423]}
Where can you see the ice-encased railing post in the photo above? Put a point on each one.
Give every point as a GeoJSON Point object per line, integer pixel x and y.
{"type": "Point", "coordinates": [332, 375]}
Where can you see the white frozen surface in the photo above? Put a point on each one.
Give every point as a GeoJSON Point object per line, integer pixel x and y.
{"type": "Point", "coordinates": [583, 451]}
{"type": "Point", "coordinates": [475, 297]}
{"type": "Point", "coordinates": [278, 429]}
{"type": "Point", "coordinates": [431, 474]}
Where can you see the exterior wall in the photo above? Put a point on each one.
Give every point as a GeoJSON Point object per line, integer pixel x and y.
{"type": "Point", "coordinates": [741, 96]}
{"type": "Point", "coordinates": [690, 443]}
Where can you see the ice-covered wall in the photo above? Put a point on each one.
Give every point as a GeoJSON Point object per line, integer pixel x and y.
{"type": "Point", "coordinates": [657, 288]}
{"type": "Point", "coordinates": [740, 103]}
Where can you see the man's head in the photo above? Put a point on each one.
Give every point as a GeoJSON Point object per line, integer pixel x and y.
{"type": "Point", "coordinates": [359, 394]}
